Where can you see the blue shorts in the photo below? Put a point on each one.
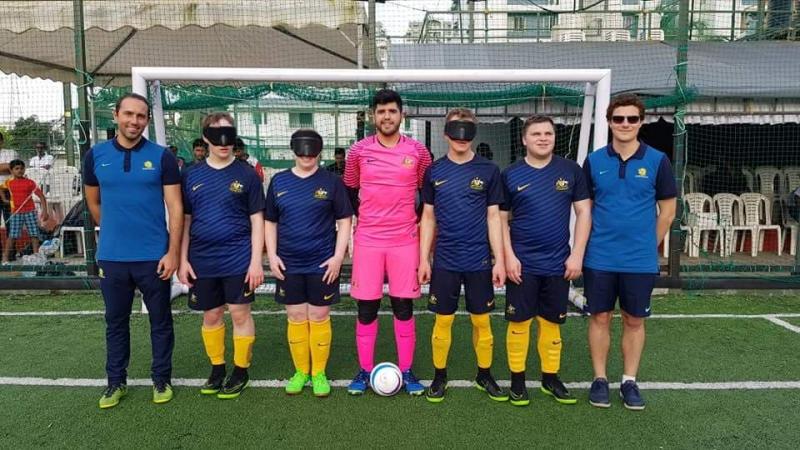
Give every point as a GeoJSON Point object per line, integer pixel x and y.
{"type": "Point", "coordinates": [538, 295]}
{"type": "Point", "coordinates": [297, 289]}
{"type": "Point", "coordinates": [28, 220]}
{"type": "Point", "coordinates": [210, 293]}
{"type": "Point", "coordinates": [602, 289]}
{"type": "Point", "coordinates": [446, 290]}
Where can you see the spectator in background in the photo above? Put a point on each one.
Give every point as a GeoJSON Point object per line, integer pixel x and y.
{"type": "Point", "coordinates": [484, 150]}
{"type": "Point", "coordinates": [199, 150]}
{"type": "Point", "coordinates": [240, 154]}
{"type": "Point", "coordinates": [337, 166]}
{"type": "Point", "coordinates": [6, 156]}
{"type": "Point", "coordinates": [174, 150]}
{"type": "Point", "coordinates": [22, 191]}
{"type": "Point", "coordinates": [42, 160]}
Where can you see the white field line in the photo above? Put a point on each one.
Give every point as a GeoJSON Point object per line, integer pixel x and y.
{"type": "Point", "coordinates": [388, 312]}
{"type": "Point", "coordinates": [196, 382]}
{"type": "Point", "coordinates": [774, 319]}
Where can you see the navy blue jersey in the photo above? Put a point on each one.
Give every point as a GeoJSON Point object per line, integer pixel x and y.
{"type": "Point", "coordinates": [306, 211]}
{"type": "Point", "coordinates": [221, 202]}
{"type": "Point", "coordinates": [625, 193]}
{"type": "Point", "coordinates": [132, 217]}
{"type": "Point", "coordinates": [540, 201]}
{"type": "Point", "coordinates": [460, 195]}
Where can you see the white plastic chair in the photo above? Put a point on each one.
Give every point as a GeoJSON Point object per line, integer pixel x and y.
{"type": "Point", "coordinates": [39, 175]}
{"type": "Point", "coordinates": [791, 227]}
{"type": "Point", "coordinates": [701, 219]}
{"type": "Point", "coordinates": [758, 213]}
{"type": "Point", "coordinates": [65, 186]}
{"type": "Point", "coordinates": [731, 220]}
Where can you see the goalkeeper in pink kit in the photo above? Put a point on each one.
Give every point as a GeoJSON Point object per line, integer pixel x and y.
{"type": "Point", "coordinates": [386, 171]}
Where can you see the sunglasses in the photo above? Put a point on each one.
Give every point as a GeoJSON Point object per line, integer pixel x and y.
{"type": "Point", "coordinates": [633, 120]}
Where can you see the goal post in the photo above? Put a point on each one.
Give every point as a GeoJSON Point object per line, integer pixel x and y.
{"type": "Point", "coordinates": [597, 90]}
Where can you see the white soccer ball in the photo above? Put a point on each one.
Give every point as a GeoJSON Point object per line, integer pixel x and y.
{"type": "Point", "coordinates": [386, 379]}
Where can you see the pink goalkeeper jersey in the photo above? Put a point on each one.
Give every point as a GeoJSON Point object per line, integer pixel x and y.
{"type": "Point", "coordinates": [388, 180]}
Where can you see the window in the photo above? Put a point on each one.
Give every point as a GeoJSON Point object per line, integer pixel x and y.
{"type": "Point", "coordinates": [531, 25]}
{"type": "Point", "coordinates": [301, 120]}
{"type": "Point", "coordinates": [630, 2]}
{"type": "Point", "coordinates": [630, 22]}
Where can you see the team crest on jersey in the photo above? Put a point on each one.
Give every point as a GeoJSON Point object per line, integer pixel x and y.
{"type": "Point", "coordinates": [148, 165]}
{"type": "Point", "coordinates": [432, 300]}
{"type": "Point", "coordinates": [236, 187]}
{"type": "Point", "coordinates": [476, 184]}
{"type": "Point", "coordinates": [562, 184]}
{"type": "Point", "coordinates": [321, 194]}
{"type": "Point", "coordinates": [641, 173]}
{"type": "Point", "coordinates": [408, 162]}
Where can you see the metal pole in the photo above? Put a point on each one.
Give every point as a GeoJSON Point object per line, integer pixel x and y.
{"type": "Point", "coordinates": [84, 83]}
{"type": "Point", "coordinates": [471, 31]}
{"type": "Point", "coordinates": [679, 138]}
{"type": "Point", "coordinates": [69, 143]}
{"type": "Point", "coordinates": [761, 8]}
{"type": "Point", "coordinates": [733, 20]}
{"type": "Point", "coordinates": [373, 51]}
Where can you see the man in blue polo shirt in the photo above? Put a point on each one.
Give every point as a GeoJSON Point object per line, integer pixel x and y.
{"type": "Point", "coordinates": [628, 179]}
{"type": "Point", "coordinates": [127, 180]}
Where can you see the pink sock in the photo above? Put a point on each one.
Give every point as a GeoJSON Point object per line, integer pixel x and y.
{"type": "Point", "coordinates": [405, 336]}
{"type": "Point", "coordinates": [366, 335]}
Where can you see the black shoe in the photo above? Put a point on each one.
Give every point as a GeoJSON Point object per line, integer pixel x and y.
{"type": "Point", "coordinates": [631, 398]}
{"type": "Point", "coordinates": [554, 387]}
{"type": "Point", "coordinates": [520, 398]}
{"type": "Point", "coordinates": [435, 392]}
{"type": "Point", "coordinates": [598, 393]}
{"type": "Point", "coordinates": [487, 384]}
{"type": "Point", "coordinates": [235, 384]}
{"type": "Point", "coordinates": [215, 380]}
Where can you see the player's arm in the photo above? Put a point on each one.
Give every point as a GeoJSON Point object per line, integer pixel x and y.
{"type": "Point", "coordinates": [91, 186]}
{"type": "Point", "coordinates": [583, 225]}
{"type": "Point", "coordinates": [255, 273]}
{"type": "Point", "coordinates": [427, 230]}
{"type": "Point", "coordinates": [666, 194]}
{"type": "Point", "coordinates": [496, 244]}
{"type": "Point", "coordinates": [352, 175]}
{"type": "Point", "coordinates": [343, 212]}
{"type": "Point", "coordinates": [271, 233]}
{"type": "Point", "coordinates": [43, 200]}
{"type": "Point", "coordinates": [186, 273]}
{"type": "Point", "coordinates": [513, 265]}
{"type": "Point", "coordinates": [171, 185]}
{"type": "Point", "coordinates": [3, 189]}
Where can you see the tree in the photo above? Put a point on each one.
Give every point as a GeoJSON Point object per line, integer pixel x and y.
{"type": "Point", "coordinates": [28, 131]}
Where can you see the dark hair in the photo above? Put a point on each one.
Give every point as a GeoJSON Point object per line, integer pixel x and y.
{"type": "Point", "coordinates": [43, 144]}
{"type": "Point", "coordinates": [15, 163]}
{"type": "Point", "coordinates": [198, 143]}
{"type": "Point", "coordinates": [625, 100]}
{"type": "Point", "coordinates": [338, 151]}
{"type": "Point", "coordinates": [238, 144]}
{"type": "Point", "coordinates": [217, 117]}
{"type": "Point", "coordinates": [386, 96]}
{"type": "Point", "coordinates": [536, 119]}
{"type": "Point", "coordinates": [141, 98]}
{"type": "Point", "coordinates": [173, 148]}
{"type": "Point", "coordinates": [461, 114]}
{"type": "Point", "coordinates": [2, 138]}
{"type": "Point", "coordinates": [484, 150]}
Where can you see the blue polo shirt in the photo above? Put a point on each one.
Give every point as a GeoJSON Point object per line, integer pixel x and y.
{"type": "Point", "coordinates": [221, 202]}
{"type": "Point", "coordinates": [540, 201]}
{"type": "Point", "coordinates": [460, 195]}
{"type": "Point", "coordinates": [623, 237]}
{"type": "Point", "coordinates": [306, 211]}
{"type": "Point", "coordinates": [133, 223]}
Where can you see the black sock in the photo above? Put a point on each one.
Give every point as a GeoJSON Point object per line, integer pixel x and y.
{"type": "Point", "coordinates": [218, 369]}
{"type": "Point", "coordinates": [239, 371]}
{"type": "Point", "coordinates": [440, 374]}
{"type": "Point", "coordinates": [517, 381]}
{"type": "Point", "coordinates": [549, 376]}
{"type": "Point", "coordinates": [484, 373]}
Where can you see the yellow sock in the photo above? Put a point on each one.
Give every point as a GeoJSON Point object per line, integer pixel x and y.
{"type": "Point", "coordinates": [320, 335]}
{"type": "Point", "coordinates": [482, 339]}
{"type": "Point", "coordinates": [549, 345]}
{"type": "Point", "coordinates": [441, 338]}
{"type": "Point", "coordinates": [518, 338]}
{"type": "Point", "coordinates": [243, 350]}
{"type": "Point", "coordinates": [297, 335]}
{"type": "Point", "coordinates": [214, 342]}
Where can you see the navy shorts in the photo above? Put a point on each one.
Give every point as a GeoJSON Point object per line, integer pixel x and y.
{"type": "Point", "coordinates": [602, 289]}
{"type": "Point", "coordinates": [538, 295]}
{"type": "Point", "coordinates": [446, 290]}
{"type": "Point", "coordinates": [297, 289]}
{"type": "Point", "coordinates": [210, 293]}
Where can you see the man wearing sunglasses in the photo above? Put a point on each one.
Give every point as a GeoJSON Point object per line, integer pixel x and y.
{"type": "Point", "coordinates": [628, 179]}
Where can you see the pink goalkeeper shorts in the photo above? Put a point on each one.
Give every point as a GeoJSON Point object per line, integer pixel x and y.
{"type": "Point", "coordinates": [371, 265]}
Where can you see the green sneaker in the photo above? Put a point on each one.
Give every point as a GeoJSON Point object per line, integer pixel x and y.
{"type": "Point", "coordinates": [320, 385]}
{"type": "Point", "coordinates": [297, 383]}
{"type": "Point", "coordinates": [162, 392]}
{"type": "Point", "coordinates": [112, 395]}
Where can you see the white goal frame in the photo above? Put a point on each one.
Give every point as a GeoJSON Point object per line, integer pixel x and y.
{"type": "Point", "coordinates": [597, 89]}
